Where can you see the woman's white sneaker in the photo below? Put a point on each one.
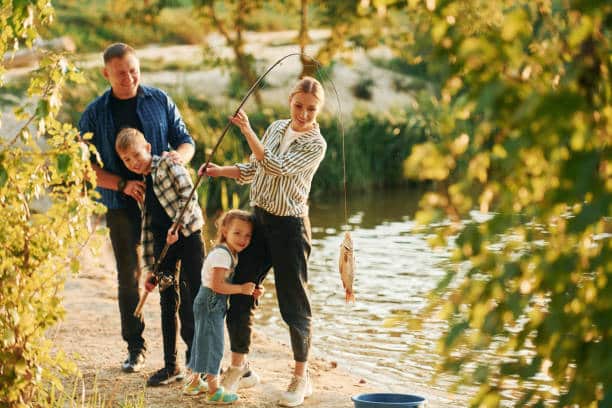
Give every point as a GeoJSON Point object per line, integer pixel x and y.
{"type": "Point", "coordinates": [299, 388]}
{"type": "Point", "coordinates": [239, 377]}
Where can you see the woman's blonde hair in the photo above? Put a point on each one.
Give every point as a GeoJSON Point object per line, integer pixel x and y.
{"type": "Point", "coordinates": [309, 85]}
{"type": "Point", "coordinates": [226, 220]}
{"type": "Point", "coordinates": [128, 138]}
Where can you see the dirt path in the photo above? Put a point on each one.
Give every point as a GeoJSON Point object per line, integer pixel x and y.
{"type": "Point", "coordinates": [91, 333]}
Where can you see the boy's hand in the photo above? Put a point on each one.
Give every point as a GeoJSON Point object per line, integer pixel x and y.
{"type": "Point", "coordinates": [211, 171]}
{"type": "Point", "coordinates": [258, 292]}
{"type": "Point", "coordinates": [174, 156]}
{"type": "Point", "coordinates": [150, 282]}
{"type": "Point", "coordinates": [171, 238]}
{"type": "Point", "coordinates": [247, 288]}
{"type": "Point", "coordinates": [135, 189]}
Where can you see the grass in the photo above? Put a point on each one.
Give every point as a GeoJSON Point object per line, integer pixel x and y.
{"type": "Point", "coordinates": [94, 24]}
{"type": "Point", "coordinates": [158, 64]}
{"type": "Point", "coordinates": [80, 394]}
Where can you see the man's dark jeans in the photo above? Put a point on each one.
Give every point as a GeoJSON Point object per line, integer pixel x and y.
{"type": "Point", "coordinates": [180, 296]}
{"type": "Point", "coordinates": [125, 229]}
{"type": "Point", "coordinates": [284, 244]}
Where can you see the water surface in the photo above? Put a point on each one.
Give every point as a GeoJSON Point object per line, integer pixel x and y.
{"type": "Point", "coordinates": [395, 271]}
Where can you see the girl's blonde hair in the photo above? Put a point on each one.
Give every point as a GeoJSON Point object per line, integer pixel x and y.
{"type": "Point", "coordinates": [128, 138]}
{"type": "Point", "coordinates": [309, 85]}
{"type": "Point", "coordinates": [226, 220]}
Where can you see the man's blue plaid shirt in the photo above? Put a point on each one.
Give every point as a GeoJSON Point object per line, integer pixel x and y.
{"type": "Point", "coordinates": [162, 126]}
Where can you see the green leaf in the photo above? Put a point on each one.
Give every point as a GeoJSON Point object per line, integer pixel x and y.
{"type": "Point", "coordinates": [3, 176]}
{"type": "Point", "coordinates": [75, 265]}
{"type": "Point", "coordinates": [63, 162]}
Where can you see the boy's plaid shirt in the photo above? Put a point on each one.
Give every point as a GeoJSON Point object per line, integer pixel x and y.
{"type": "Point", "coordinates": [172, 185]}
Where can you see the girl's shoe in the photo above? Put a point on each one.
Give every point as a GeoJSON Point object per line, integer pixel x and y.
{"type": "Point", "coordinates": [220, 397]}
{"type": "Point", "coordinates": [195, 387]}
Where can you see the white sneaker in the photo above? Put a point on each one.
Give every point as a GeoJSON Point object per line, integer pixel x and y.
{"type": "Point", "coordinates": [299, 388]}
{"type": "Point", "coordinates": [239, 377]}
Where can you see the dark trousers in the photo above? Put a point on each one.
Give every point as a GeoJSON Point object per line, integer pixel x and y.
{"type": "Point", "coordinates": [284, 244]}
{"type": "Point", "coordinates": [179, 297]}
{"type": "Point", "coordinates": [125, 228]}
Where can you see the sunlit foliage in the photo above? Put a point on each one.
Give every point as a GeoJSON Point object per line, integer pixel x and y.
{"type": "Point", "coordinates": [522, 170]}
{"type": "Point", "coordinates": [45, 207]}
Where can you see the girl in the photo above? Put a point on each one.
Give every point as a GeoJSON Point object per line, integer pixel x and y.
{"type": "Point", "coordinates": [280, 169]}
{"type": "Point", "coordinates": [209, 308]}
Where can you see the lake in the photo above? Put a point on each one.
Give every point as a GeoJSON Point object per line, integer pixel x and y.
{"type": "Point", "coordinates": [395, 271]}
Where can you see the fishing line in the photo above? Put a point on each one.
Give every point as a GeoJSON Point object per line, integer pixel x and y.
{"type": "Point", "coordinates": [176, 224]}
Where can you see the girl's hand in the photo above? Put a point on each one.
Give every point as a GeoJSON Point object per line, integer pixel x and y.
{"type": "Point", "coordinates": [211, 171]}
{"type": "Point", "coordinates": [258, 292]}
{"type": "Point", "coordinates": [241, 119]}
{"type": "Point", "coordinates": [247, 288]}
{"type": "Point", "coordinates": [171, 238]}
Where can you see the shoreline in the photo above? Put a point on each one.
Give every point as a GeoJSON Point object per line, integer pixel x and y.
{"type": "Point", "coordinates": [90, 335]}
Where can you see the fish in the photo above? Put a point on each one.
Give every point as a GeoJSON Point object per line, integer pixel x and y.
{"type": "Point", "coordinates": [346, 265]}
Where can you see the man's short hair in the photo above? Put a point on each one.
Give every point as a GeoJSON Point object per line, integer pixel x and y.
{"type": "Point", "coordinates": [117, 50]}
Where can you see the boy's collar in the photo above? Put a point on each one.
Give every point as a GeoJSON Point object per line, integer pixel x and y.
{"type": "Point", "coordinates": [155, 159]}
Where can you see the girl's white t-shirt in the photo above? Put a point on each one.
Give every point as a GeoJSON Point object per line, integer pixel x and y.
{"type": "Point", "coordinates": [217, 258]}
{"type": "Point", "coordinates": [288, 138]}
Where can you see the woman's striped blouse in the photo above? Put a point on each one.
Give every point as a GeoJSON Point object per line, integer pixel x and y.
{"type": "Point", "coordinates": [281, 182]}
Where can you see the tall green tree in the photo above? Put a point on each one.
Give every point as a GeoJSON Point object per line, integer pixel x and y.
{"type": "Point", "coordinates": [45, 208]}
{"type": "Point", "coordinates": [523, 176]}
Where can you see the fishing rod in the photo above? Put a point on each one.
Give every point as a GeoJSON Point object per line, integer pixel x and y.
{"type": "Point", "coordinates": [177, 223]}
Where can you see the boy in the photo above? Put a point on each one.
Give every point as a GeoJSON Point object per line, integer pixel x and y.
{"type": "Point", "coordinates": [167, 189]}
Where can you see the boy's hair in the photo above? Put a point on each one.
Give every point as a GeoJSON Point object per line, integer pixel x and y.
{"type": "Point", "coordinates": [309, 85]}
{"type": "Point", "coordinates": [127, 138]}
{"type": "Point", "coordinates": [226, 220]}
{"type": "Point", "coordinates": [117, 50]}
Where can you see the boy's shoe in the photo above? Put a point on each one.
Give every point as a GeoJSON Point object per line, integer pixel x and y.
{"type": "Point", "coordinates": [165, 376]}
{"type": "Point", "coordinates": [299, 388]}
{"type": "Point", "coordinates": [239, 377]}
{"type": "Point", "coordinates": [195, 389]}
{"type": "Point", "coordinates": [221, 397]}
{"type": "Point", "coordinates": [134, 362]}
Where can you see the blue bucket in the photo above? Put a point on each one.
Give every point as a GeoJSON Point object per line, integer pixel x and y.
{"type": "Point", "coordinates": [388, 400]}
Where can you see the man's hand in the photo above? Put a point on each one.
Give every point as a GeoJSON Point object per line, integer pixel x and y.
{"type": "Point", "coordinates": [135, 189]}
{"type": "Point", "coordinates": [175, 157]}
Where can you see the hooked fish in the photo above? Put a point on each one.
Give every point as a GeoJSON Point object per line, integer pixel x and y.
{"type": "Point", "coordinates": [347, 266]}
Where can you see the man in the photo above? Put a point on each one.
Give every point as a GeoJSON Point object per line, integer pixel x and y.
{"type": "Point", "coordinates": [152, 111]}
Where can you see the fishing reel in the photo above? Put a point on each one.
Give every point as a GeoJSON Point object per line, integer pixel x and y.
{"type": "Point", "coordinates": [165, 279]}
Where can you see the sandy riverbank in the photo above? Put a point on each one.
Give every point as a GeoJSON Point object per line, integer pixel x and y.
{"type": "Point", "coordinates": [91, 333]}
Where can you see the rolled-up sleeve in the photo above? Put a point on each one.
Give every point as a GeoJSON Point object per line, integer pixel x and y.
{"type": "Point", "coordinates": [177, 131]}
{"type": "Point", "coordinates": [247, 171]}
